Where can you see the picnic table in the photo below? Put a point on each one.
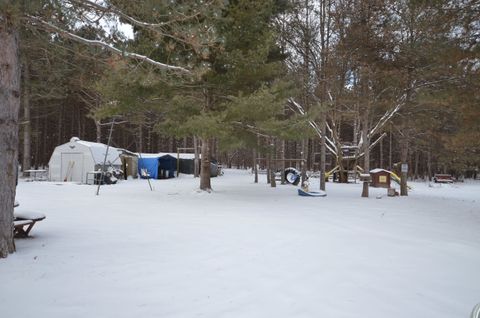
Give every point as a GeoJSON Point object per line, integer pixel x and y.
{"type": "Point", "coordinates": [443, 178]}
{"type": "Point", "coordinates": [24, 221]}
{"type": "Point", "coordinates": [36, 174]}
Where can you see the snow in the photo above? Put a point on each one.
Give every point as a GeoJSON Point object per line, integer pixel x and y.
{"type": "Point", "coordinates": [245, 250]}
{"type": "Point", "coordinates": [98, 152]}
{"type": "Point", "coordinates": [173, 154]}
{"type": "Point", "coordinates": [376, 170]}
{"type": "Point", "coordinates": [29, 215]}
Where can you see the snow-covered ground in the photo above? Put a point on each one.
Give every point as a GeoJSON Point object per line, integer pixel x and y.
{"type": "Point", "coordinates": [245, 250]}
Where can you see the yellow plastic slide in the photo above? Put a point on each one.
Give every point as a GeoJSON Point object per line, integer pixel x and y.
{"type": "Point", "coordinates": [396, 178]}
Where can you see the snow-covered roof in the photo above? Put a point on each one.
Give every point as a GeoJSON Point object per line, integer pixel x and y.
{"type": "Point", "coordinates": [376, 170]}
{"type": "Point", "coordinates": [181, 155]}
{"type": "Point", "coordinates": [98, 151]}
{"type": "Point", "coordinates": [161, 154]}
{"type": "Point", "coordinates": [147, 155]}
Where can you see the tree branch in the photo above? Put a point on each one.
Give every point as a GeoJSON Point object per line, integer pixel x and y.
{"type": "Point", "coordinates": [329, 144]}
{"type": "Point", "coordinates": [112, 9]}
{"type": "Point", "coordinates": [111, 48]}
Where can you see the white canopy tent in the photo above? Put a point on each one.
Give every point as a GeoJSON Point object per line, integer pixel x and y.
{"type": "Point", "coordinates": [73, 160]}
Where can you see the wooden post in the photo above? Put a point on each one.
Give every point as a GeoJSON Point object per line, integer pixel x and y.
{"type": "Point", "coordinates": [365, 189]}
{"type": "Point", "coordinates": [366, 180]}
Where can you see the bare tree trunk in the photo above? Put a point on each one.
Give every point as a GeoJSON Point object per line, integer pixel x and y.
{"type": "Point", "coordinates": [196, 160]}
{"type": "Point", "coordinates": [417, 158]}
{"type": "Point", "coordinates": [98, 129]}
{"type": "Point", "coordinates": [36, 149]}
{"type": "Point", "coordinates": [60, 125]}
{"type": "Point", "coordinates": [303, 163]}
{"type": "Point", "coordinates": [273, 165]}
{"type": "Point", "coordinates": [149, 138]}
{"type": "Point", "coordinates": [140, 138]}
{"type": "Point", "coordinates": [366, 156]}
{"type": "Point", "coordinates": [381, 154]}
{"type": "Point", "coordinates": [283, 167]}
{"type": "Point", "coordinates": [429, 164]}
{"type": "Point", "coordinates": [27, 125]}
{"type": "Point", "coordinates": [9, 108]}
{"type": "Point", "coordinates": [403, 176]}
{"type": "Point", "coordinates": [255, 165]}
{"type": "Point", "coordinates": [267, 157]}
{"type": "Point", "coordinates": [205, 171]}
{"type": "Point", "coordinates": [322, 151]}
{"type": "Point", "coordinates": [171, 141]}
{"type": "Point", "coordinates": [390, 167]}
{"type": "Point", "coordinates": [205, 175]}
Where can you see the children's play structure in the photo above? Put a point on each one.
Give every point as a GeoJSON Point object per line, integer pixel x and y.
{"type": "Point", "coordinates": [346, 154]}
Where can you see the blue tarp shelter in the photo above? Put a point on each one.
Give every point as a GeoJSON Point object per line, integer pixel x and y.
{"type": "Point", "coordinates": [148, 165]}
{"type": "Point", "coordinates": [158, 166]}
{"type": "Point", "coordinates": [167, 167]}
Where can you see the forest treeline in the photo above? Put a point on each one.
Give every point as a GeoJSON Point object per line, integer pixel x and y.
{"type": "Point", "coordinates": [347, 63]}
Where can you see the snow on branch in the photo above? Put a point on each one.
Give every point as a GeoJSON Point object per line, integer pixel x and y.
{"type": "Point", "coordinates": [401, 101]}
{"type": "Point", "coordinates": [388, 115]}
{"type": "Point", "coordinates": [106, 46]}
{"type": "Point", "coordinates": [251, 128]}
{"type": "Point", "coordinates": [112, 9]}
{"type": "Point", "coordinates": [373, 144]}
{"type": "Point", "coordinates": [329, 145]}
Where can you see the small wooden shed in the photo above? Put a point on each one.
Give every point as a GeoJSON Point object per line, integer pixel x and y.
{"type": "Point", "coordinates": [129, 164]}
{"type": "Point", "coordinates": [380, 178]}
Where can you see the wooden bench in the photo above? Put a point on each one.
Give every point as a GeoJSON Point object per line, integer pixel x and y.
{"type": "Point", "coordinates": [442, 178]}
{"type": "Point", "coordinates": [23, 222]}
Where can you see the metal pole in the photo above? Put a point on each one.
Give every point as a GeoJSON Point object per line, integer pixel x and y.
{"type": "Point", "coordinates": [148, 177]}
{"type": "Point", "coordinates": [106, 154]}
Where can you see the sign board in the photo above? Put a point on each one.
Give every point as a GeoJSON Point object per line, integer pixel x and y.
{"type": "Point", "coordinates": [404, 167]}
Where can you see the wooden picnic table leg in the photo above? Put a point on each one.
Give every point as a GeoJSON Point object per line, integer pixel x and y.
{"type": "Point", "coordinates": [29, 228]}
{"type": "Point", "coordinates": [20, 232]}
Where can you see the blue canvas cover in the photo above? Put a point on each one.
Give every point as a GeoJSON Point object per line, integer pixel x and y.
{"type": "Point", "coordinates": [167, 166]}
{"type": "Point", "coordinates": [150, 164]}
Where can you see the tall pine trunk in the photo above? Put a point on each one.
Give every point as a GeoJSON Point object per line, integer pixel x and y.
{"type": "Point", "coordinates": [255, 165]}
{"type": "Point", "coordinates": [323, 156]}
{"type": "Point", "coordinates": [205, 163]}
{"type": "Point", "coordinates": [98, 131]}
{"type": "Point", "coordinates": [9, 107]}
{"type": "Point", "coordinates": [404, 157]}
{"type": "Point", "coordinates": [366, 156]}
{"type": "Point", "coordinates": [196, 160]}
{"type": "Point", "coordinates": [27, 125]}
